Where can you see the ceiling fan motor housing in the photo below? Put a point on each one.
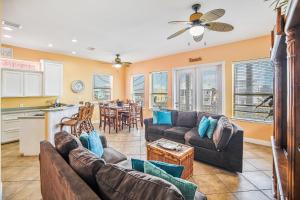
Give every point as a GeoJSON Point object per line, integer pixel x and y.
{"type": "Point", "coordinates": [195, 16]}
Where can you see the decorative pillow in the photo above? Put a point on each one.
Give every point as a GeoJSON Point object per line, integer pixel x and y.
{"type": "Point", "coordinates": [86, 164]}
{"type": "Point", "coordinates": [212, 125]}
{"type": "Point", "coordinates": [203, 126]}
{"type": "Point", "coordinates": [222, 133]}
{"type": "Point", "coordinates": [172, 169]}
{"type": "Point", "coordinates": [187, 188]}
{"type": "Point", "coordinates": [65, 142]}
{"type": "Point", "coordinates": [206, 114]}
{"type": "Point", "coordinates": [92, 142]}
{"type": "Point", "coordinates": [162, 117]}
{"type": "Point", "coordinates": [186, 119]}
{"type": "Point", "coordinates": [155, 117]}
{"type": "Point", "coordinates": [117, 183]}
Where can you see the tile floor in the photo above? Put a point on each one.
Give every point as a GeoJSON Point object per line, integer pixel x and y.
{"type": "Point", "coordinates": [20, 175]}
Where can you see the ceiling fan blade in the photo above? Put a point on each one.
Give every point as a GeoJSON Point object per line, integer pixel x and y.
{"type": "Point", "coordinates": [195, 16]}
{"type": "Point", "coordinates": [179, 22]}
{"type": "Point", "coordinates": [212, 15]}
{"type": "Point", "coordinates": [198, 38]}
{"type": "Point", "coordinates": [178, 33]}
{"type": "Point", "coordinates": [219, 26]}
{"type": "Point", "coordinates": [126, 63]}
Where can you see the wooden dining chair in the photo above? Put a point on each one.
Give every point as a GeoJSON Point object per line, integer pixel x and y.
{"type": "Point", "coordinates": [130, 119]}
{"type": "Point", "coordinates": [73, 120]}
{"type": "Point", "coordinates": [110, 118]}
{"type": "Point", "coordinates": [101, 114]}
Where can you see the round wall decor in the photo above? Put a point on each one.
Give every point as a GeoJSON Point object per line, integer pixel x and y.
{"type": "Point", "coordinates": [77, 86]}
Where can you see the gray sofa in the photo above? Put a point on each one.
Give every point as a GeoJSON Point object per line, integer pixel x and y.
{"type": "Point", "coordinates": [225, 150]}
{"type": "Point", "coordinates": [71, 172]}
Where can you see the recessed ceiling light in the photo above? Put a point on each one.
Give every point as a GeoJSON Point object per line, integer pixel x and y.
{"type": "Point", "coordinates": [74, 40]}
{"type": "Point", "coordinates": [73, 52]}
{"type": "Point", "coordinates": [7, 36]}
{"type": "Point", "coordinates": [50, 45]}
{"type": "Point", "coordinates": [7, 28]}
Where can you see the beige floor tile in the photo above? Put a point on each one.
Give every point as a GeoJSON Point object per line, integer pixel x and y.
{"type": "Point", "coordinates": [236, 182]}
{"type": "Point", "coordinates": [268, 193]}
{"type": "Point", "coordinates": [209, 184]}
{"type": "Point", "coordinates": [259, 179]}
{"type": "Point", "coordinates": [260, 164]}
{"type": "Point", "coordinates": [20, 173]}
{"type": "Point", "coordinates": [251, 195]}
{"type": "Point", "coordinates": [248, 166]}
{"type": "Point", "coordinates": [225, 196]}
{"type": "Point", "coordinates": [27, 190]}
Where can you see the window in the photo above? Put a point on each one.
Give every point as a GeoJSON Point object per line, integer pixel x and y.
{"type": "Point", "coordinates": [159, 89]}
{"type": "Point", "coordinates": [102, 87]}
{"type": "Point", "coordinates": [253, 83]}
{"type": "Point", "coordinates": [138, 88]}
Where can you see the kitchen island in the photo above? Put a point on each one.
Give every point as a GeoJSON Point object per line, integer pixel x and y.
{"type": "Point", "coordinates": [36, 128]}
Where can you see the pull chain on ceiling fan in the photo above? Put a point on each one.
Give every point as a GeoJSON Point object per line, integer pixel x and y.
{"type": "Point", "coordinates": [199, 22]}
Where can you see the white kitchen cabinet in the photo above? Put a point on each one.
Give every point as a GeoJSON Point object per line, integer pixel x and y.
{"type": "Point", "coordinates": [12, 83]}
{"type": "Point", "coordinates": [53, 78]}
{"type": "Point", "coordinates": [33, 82]}
{"type": "Point", "coordinates": [10, 129]}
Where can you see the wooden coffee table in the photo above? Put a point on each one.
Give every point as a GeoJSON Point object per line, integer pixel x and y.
{"type": "Point", "coordinates": [183, 157]}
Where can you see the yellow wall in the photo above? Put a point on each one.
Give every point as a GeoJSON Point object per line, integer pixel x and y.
{"type": "Point", "coordinates": [228, 53]}
{"type": "Point", "coordinates": [75, 68]}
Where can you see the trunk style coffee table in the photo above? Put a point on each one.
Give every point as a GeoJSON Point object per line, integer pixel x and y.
{"type": "Point", "coordinates": [184, 156]}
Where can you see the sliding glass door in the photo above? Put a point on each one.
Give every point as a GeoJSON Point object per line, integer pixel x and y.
{"type": "Point", "coordinates": [185, 84]}
{"type": "Point", "coordinates": [199, 88]}
{"type": "Point", "coordinates": [210, 89]}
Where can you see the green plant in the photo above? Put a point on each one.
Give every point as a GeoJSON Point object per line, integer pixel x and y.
{"type": "Point", "coordinates": [278, 4]}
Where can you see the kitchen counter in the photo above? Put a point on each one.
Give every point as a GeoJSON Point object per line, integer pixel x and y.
{"type": "Point", "coordinates": [22, 109]}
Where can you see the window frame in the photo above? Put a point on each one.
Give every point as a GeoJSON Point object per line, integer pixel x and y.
{"type": "Point", "coordinates": [234, 94]}
{"type": "Point", "coordinates": [131, 87]}
{"type": "Point", "coordinates": [111, 86]}
{"type": "Point", "coordinates": [151, 89]}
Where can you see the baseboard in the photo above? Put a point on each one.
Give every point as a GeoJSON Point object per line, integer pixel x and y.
{"type": "Point", "coordinates": [1, 190]}
{"type": "Point", "coordinates": [256, 141]}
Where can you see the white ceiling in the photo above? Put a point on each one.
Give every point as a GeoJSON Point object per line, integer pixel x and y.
{"type": "Point", "coordinates": [137, 29]}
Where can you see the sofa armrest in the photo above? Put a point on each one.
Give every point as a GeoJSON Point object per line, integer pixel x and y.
{"type": "Point", "coordinates": [103, 140]}
{"type": "Point", "coordinates": [148, 121]}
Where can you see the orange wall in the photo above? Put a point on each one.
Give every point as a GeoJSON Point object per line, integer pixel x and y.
{"type": "Point", "coordinates": [75, 68]}
{"type": "Point", "coordinates": [228, 53]}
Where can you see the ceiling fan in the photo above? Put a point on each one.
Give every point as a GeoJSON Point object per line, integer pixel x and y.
{"type": "Point", "coordinates": [117, 63]}
{"type": "Point", "coordinates": [199, 22]}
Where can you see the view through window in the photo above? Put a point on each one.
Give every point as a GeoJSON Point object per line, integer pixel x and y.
{"type": "Point", "coordinates": [159, 89]}
{"type": "Point", "coordinates": [253, 83]}
{"type": "Point", "coordinates": [138, 88]}
{"type": "Point", "coordinates": [102, 87]}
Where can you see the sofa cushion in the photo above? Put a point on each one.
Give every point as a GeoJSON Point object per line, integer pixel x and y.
{"type": "Point", "coordinates": [116, 183]}
{"type": "Point", "coordinates": [187, 119]}
{"type": "Point", "coordinates": [193, 138]}
{"type": "Point", "coordinates": [86, 164]}
{"type": "Point", "coordinates": [201, 114]}
{"type": "Point", "coordinates": [174, 114]}
{"type": "Point", "coordinates": [65, 142]}
{"type": "Point", "coordinates": [176, 132]}
{"type": "Point", "coordinates": [222, 133]}
{"type": "Point", "coordinates": [113, 156]}
{"type": "Point", "coordinates": [157, 129]}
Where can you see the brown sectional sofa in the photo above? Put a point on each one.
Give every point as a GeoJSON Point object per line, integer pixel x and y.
{"type": "Point", "coordinates": [184, 129]}
{"type": "Point", "coordinates": [69, 172]}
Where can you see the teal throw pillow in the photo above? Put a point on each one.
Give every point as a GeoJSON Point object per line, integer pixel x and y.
{"type": "Point", "coordinates": [203, 126]}
{"type": "Point", "coordinates": [164, 118]}
{"type": "Point", "coordinates": [92, 142]}
{"type": "Point", "coordinates": [154, 117]}
{"type": "Point", "coordinates": [172, 169]}
{"type": "Point", "coordinates": [212, 126]}
{"type": "Point", "coordinates": [186, 188]}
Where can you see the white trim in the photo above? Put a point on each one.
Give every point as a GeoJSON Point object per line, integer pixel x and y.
{"type": "Point", "coordinates": [196, 67]}
{"type": "Point", "coordinates": [1, 189]}
{"type": "Point", "coordinates": [257, 141]}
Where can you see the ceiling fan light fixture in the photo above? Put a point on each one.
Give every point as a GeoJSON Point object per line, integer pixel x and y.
{"type": "Point", "coordinates": [197, 30]}
{"type": "Point", "coordinates": [117, 65]}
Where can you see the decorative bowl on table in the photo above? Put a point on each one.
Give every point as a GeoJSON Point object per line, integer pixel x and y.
{"type": "Point", "coordinates": [170, 146]}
